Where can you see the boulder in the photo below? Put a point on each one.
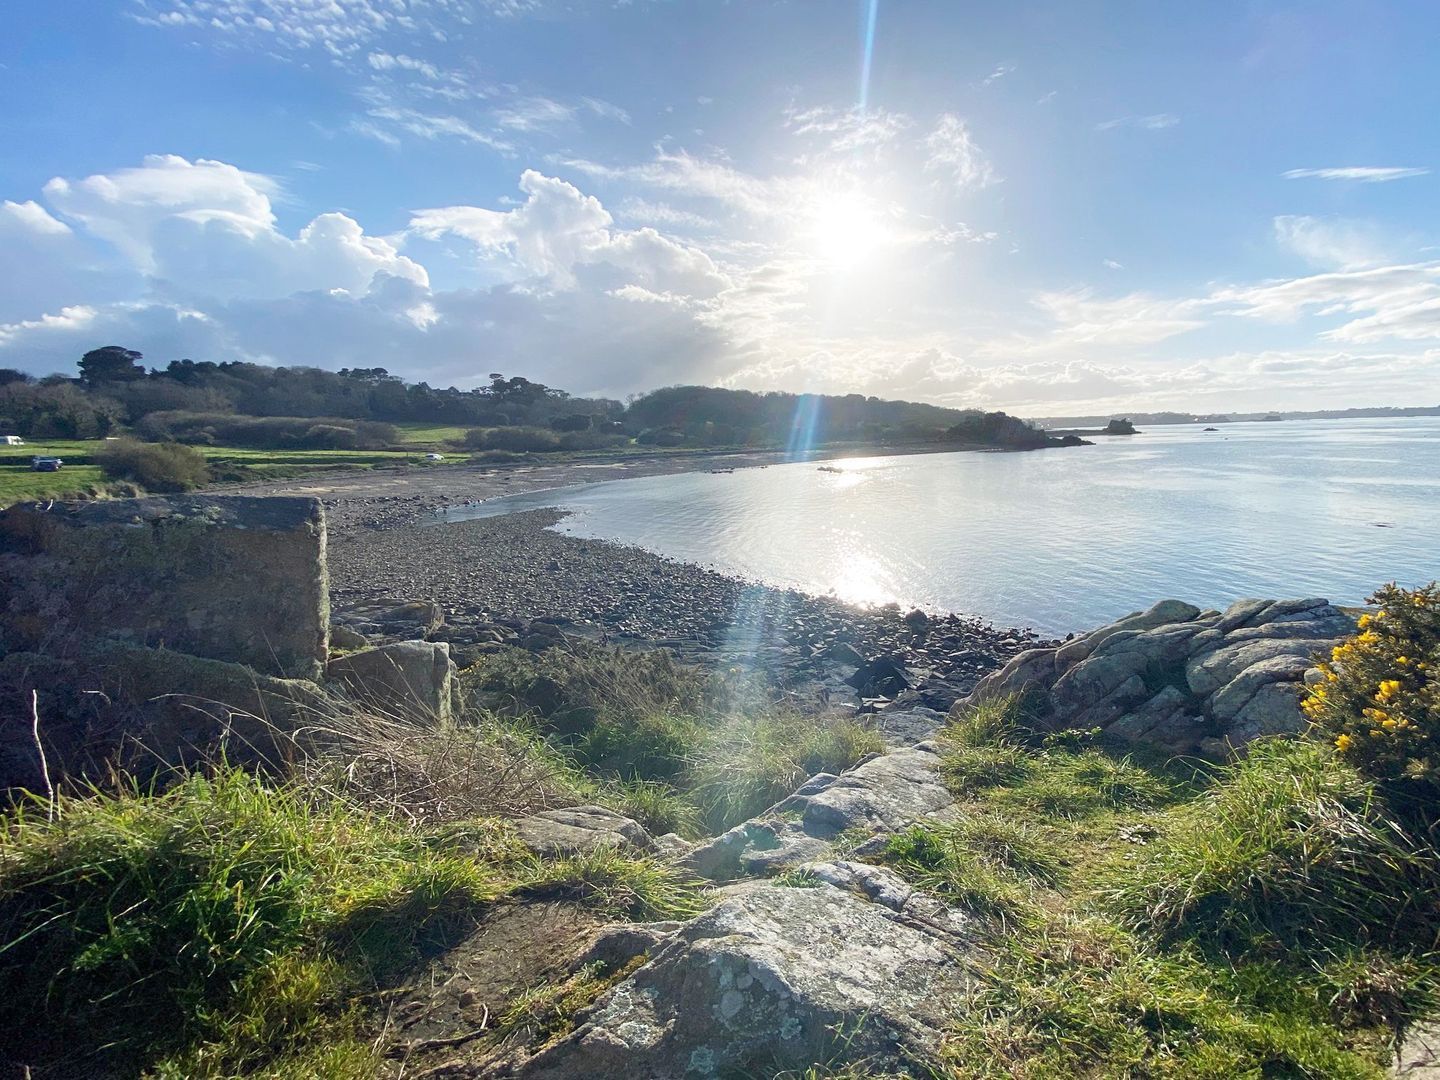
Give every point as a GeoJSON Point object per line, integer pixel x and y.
{"type": "Point", "coordinates": [342, 637]}
{"type": "Point", "coordinates": [410, 678]}
{"type": "Point", "coordinates": [1186, 680]}
{"type": "Point", "coordinates": [228, 578]}
{"type": "Point", "coordinates": [580, 830]}
{"type": "Point", "coordinates": [881, 795]}
{"type": "Point", "coordinates": [775, 978]}
{"type": "Point", "coordinates": [1030, 669]}
{"type": "Point", "coordinates": [394, 618]}
{"type": "Point", "coordinates": [1207, 674]}
{"type": "Point", "coordinates": [1162, 613]}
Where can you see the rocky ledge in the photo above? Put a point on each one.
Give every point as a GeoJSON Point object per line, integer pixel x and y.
{"type": "Point", "coordinates": [1186, 680]}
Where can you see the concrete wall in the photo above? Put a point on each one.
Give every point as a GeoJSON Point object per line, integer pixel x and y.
{"type": "Point", "coordinates": [227, 578]}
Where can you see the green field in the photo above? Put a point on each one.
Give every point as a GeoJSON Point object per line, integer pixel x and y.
{"type": "Point", "coordinates": [227, 464]}
{"type": "Point", "coordinates": [413, 433]}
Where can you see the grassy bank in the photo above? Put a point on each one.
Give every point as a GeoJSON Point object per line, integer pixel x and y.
{"type": "Point", "coordinates": [1149, 919]}
{"type": "Point", "coordinates": [1132, 916]}
{"type": "Point", "coordinates": [231, 924]}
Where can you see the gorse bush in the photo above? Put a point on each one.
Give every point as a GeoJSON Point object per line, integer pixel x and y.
{"type": "Point", "coordinates": [156, 466]}
{"type": "Point", "coordinates": [269, 432]}
{"type": "Point", "coordinates": [1379, 702]}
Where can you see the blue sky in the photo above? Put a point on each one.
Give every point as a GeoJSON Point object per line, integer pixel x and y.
{"type": "Point", "coordinates": [1044, 207]}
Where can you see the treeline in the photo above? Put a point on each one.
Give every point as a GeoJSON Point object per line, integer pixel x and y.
{"type": "Point", "coordinates": [245, 404]}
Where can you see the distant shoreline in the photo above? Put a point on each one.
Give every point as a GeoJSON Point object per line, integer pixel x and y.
{"type": "Point", "coordinates": [405, 494]}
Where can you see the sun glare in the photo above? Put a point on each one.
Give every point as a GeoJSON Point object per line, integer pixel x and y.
{"type": "Point", "coordinates": [845, 229]}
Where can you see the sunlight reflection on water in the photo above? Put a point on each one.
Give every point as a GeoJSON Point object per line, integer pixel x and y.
{"type": "Point", "coordinates": [1062, 539]}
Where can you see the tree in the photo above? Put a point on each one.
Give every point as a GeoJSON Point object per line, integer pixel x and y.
{"type": "Point", "coordinates": [11, 375]}
{"type": "Point", "coordinates": [112, 363]}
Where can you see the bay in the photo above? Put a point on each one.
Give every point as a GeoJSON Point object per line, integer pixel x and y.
{"type": "Point", "coordinates": [1060, 539]}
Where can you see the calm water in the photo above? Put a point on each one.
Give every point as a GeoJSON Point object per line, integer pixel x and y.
{"type": "Point", "coordinates": [1057, 539]}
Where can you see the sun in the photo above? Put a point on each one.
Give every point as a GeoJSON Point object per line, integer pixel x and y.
{"type": "Point", "coordinates": [845, 229]}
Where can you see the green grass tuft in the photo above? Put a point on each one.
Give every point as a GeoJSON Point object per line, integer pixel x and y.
{"type": "Point", "coordinates": [1291, 844]}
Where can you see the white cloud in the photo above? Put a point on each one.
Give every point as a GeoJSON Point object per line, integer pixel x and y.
{"type": "Point", "coordinates": [125, 206]}
{"type": "Point", "coordinates": [848, 131]}
{"type": "Point", "coordinates": [1393, 302]}
{"type": "Point", "coordinates": [207, 226]}
{"type": "Point", "coordinates": [33, 217]}
{"type": "Point", "coordinates": [534, 114]}
{"type": "Point", "coordinates": [606, 110]}
{"type": "Point", "coordinates": [953, 154]}
{"type": "Point", "coordinates": [1001, 70]}
{"type": "Point", "coordinates": [1133, 319]}
{"type": "Point", "coordinates": [558, 229]}
{"type": "Point", "coordinates": [1365, 174]}
{"type": "Point", "coordinates": [659, 213]}
{"type": "Point", "coordinates": [383, 61]}
{"type": "Point", "coordinates": [426, 126]}
{"type": "Point", "coordinates": [1330, 242]}
{"type": "Point", "coordinates": [1111, 264]}
{"type": "Point", "coordinates": [1152, 122]}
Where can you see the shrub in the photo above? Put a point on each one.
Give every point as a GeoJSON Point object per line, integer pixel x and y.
{"type": "Point", "coordinates": [515, 439]}
{"type": "Point", "coordinates": [269, 432]}
{"type": "Point", "coordinates": [1379, 703]}
{"type": "Point", "coordinates": [157, 466]}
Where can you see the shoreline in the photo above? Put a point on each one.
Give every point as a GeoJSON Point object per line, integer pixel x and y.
{"type": "Point", "coordinates": [403, 495]}
{"type": "Point", "coordinates": [507, 578]}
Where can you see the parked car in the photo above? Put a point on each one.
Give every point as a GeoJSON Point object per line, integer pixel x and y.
{"type": "Point", "coordinates": [434, 457]}
{"type": "Point", "coordinates": [45, 464]}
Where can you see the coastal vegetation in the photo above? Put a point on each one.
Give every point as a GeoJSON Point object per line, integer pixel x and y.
{"type": "Point", "coordinates": [1136, 914]}
{"type": "Point", "coordinates": [253, 421]}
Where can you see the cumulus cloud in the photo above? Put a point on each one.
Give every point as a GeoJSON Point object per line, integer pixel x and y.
{"type": "Point", "coordinates": [558, 229]}
{"type": "Point", "coordinates": [1365, 174]}
{"type": "Point", "coordinates": [207, 274]}
{"type": "Point", "coordinates": [208, 226]}
{"type": "Point", "coordinates": [954, 156]}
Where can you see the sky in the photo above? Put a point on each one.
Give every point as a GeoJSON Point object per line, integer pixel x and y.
{"type": "Point", "coordinates": [1051, 207]}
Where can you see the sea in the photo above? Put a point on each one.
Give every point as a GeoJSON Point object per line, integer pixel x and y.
{"type": "Point", "coordinates": [1060, 539]}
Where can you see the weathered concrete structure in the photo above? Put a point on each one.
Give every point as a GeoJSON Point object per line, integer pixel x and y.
{"type": "Point", "coordinates": [412, 678]}
{"type": "Point", "coordinates": [226, 578]}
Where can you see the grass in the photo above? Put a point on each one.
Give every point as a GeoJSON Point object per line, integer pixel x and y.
{"type": "Point", "coordinates": [680, 748]}
{"type": "Point", "coordinates": [233, 925]}
{"type": "Point", "coordinates": [1151, 919]}
{"type": "Point", "coordinates": [80, 476]}
{"type": "Point", "coordinates": [1135, 917]}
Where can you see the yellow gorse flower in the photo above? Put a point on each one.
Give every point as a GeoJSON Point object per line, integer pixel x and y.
{"type": "Point", "coordinates": [1342, 742]}
{"type": "Point", "coordinates": [1387, 690]}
